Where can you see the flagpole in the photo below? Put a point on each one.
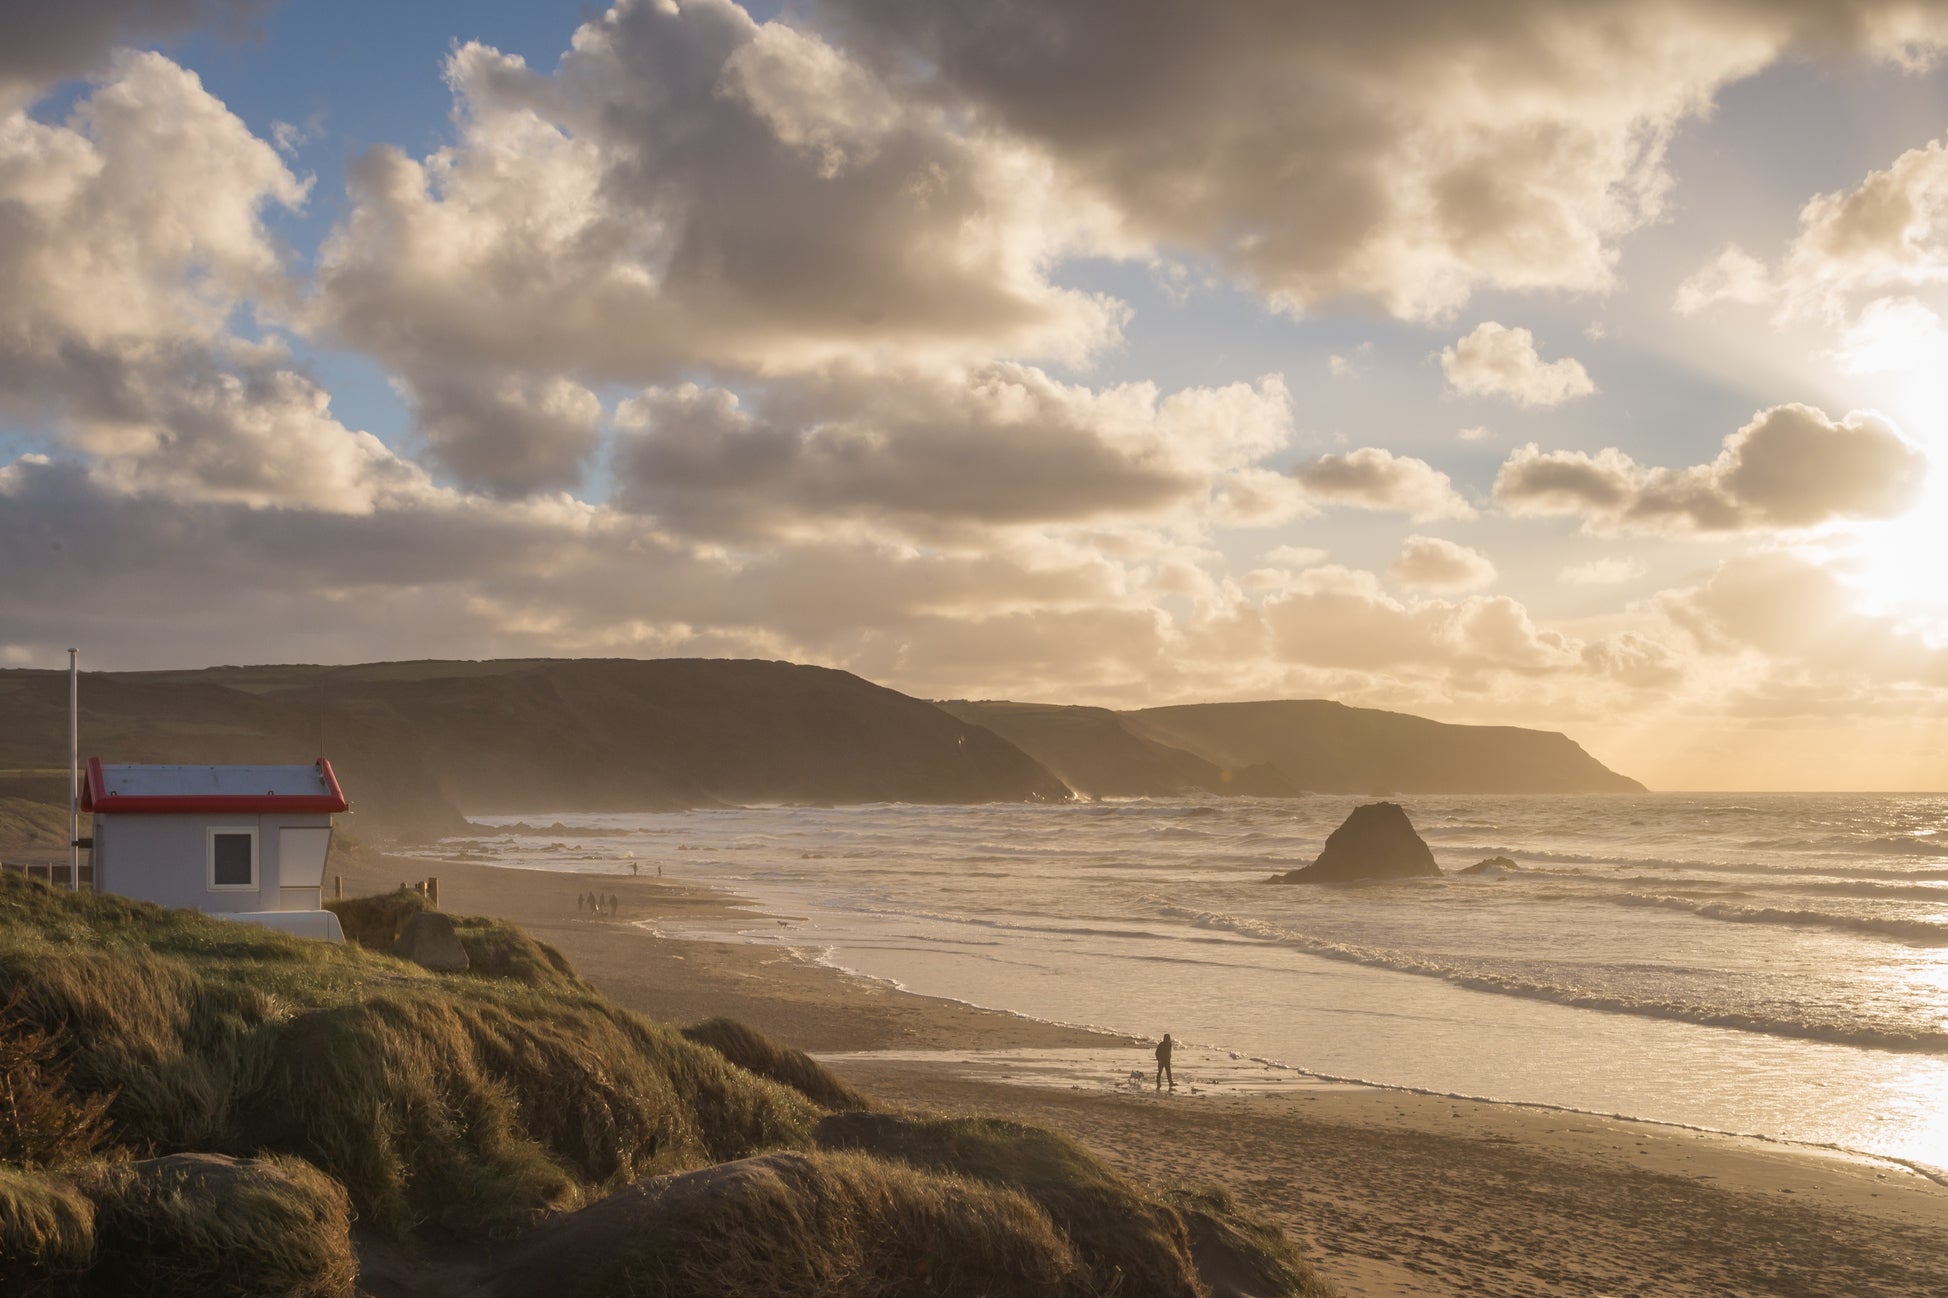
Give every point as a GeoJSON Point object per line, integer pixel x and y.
{"type": "Point", "coordinates": [74, 770]}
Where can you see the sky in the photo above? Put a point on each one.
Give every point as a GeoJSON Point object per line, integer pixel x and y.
{"type": "Point", "coordinates": [1578, 366]}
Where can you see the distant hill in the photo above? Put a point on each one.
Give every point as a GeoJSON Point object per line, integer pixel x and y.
{"type": "Point", "coordinates": [1095, 753]}
{"type": "Point", "coordinates": [1328, 747]}
{"type": "Point", "coordinates": [418, 744]}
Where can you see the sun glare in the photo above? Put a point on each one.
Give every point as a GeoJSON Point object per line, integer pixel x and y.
{"type": "Point", "coordinates": [1897, 565]}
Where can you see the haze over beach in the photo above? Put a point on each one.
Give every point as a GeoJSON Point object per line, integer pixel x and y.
{"type": "Point", "coordinates": [927, 530]}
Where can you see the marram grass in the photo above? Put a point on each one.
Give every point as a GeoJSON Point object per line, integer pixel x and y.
{"type": "Point", "coordinates": [461, 1104]}
{"type": "Point", "coordinates": [264, 1092]}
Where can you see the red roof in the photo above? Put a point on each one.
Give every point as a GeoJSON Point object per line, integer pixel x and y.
{"type": "Point", "coordinates": [170, 790]}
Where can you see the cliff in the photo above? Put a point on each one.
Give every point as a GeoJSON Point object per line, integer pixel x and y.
{"type": "Point", "coordinates": [1093, 752]}
{"type": "Point", "coordinates": [1327, 747]}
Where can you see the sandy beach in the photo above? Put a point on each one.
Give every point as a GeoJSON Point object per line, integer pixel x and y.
{"type": "Point", "coordinates": [1390, 1192]}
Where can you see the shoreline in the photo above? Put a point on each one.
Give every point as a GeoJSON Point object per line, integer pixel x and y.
{"type": "Point", "coordinates": [1391, 1191]}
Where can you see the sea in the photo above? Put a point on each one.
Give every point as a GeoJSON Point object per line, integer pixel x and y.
{"type": "Point", "coordinates": [1766, 965]}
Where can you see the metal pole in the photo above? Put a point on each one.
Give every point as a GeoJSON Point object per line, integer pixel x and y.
{"type": "Point", "coordinates": [74, 770]}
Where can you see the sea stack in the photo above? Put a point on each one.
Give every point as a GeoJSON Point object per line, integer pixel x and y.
{"type": "Point", "coordinates": [1376, 842]}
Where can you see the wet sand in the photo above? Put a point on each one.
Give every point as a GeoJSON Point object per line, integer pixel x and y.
{"type": "Point", "coordinates": [1391, 1193]}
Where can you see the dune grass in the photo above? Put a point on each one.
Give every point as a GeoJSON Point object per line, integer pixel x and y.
{"type": "Point", "coordinates": [47, 1232]}
{"type": "Point", "coordinates": [467, 1104]}
{"type": "Point", "coordinates": [755, 1053]}
{"type": "Point", "coordinates": [215, 1227]}
{"type": "Point", "coordinates": [799, 1225]}
{"type": "Point", "coordinates": [1129, 1243]}
{"type": "Point", "coordinates": [43, 1121]}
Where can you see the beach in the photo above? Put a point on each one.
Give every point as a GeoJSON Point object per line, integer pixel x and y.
{"type": "Point", "coordinates": [1391, 1193]}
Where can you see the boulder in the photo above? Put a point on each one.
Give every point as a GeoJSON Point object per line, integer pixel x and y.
{"type": "Point", "coordinates": [1493, 865]}
{"type": "Point", "coordinates": [1376, 842]}
{"type": "Point", "coordinates": [428, 939]}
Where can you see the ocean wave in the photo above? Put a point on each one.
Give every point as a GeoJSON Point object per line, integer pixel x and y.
{"type": "Point", "coordinates": [1615, 862]}
{"type": "Point", "coordinates": [1920, 932]}
{"type": "Point", "coordinates": [1846, 1034]}
{"type": "Point", "coordinates": [1898, 845]}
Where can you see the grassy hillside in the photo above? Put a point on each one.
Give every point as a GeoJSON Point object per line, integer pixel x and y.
{"type": "Point", "coordinates": [195, 1107]}
{"type": "Point", "coordinates": [1328, 747]}
{"type": "Point", "coordinates": [417, 744]}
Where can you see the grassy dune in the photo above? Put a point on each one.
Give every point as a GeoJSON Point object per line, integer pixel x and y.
{"type": "Point", "coordinates": [264, 1091]}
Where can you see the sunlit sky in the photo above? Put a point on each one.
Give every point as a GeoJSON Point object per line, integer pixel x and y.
{"type": "Point", "coordinates": [1564, 365]}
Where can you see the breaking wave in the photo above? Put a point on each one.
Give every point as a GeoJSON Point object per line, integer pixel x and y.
{"type": "Point", "coordinates": [1917, 931]}
{"type": "Point", "coordinates": [1850, 1034]}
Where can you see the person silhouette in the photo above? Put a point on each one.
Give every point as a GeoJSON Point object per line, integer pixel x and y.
{"type": "Point", "coordinates": [1164, 1048]}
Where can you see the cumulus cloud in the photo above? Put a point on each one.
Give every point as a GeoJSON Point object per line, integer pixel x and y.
{"type": "Point", "coordinates": [1602, 572]}
{"type": "Point", "coordinates": [137, 223]}
{"type": "Point", "coordinates": [1798, 613]}
{"type": "Point", "coordinates": [1889, 232]}
{"type": "Point", "coordinates": [1374, 478]}
{"type": "Point", "coordinates": [1404, 155]}
{"type": "Point", "coordinates": [1001, 445]}
{"type": "Point", "coordinates": [1894, 335]}
{"type": "Point", "coordinates": [41, 44]}
{"type": "Point", "coordinates": [1790, 467]}
{"type": "Point", "coordinates": [1340, 617]}
{"type": "Point", "coordinates": [1431, 563]}
{"type": "Point", "coordinates": [693, 188]}
{"type": "Point", "coordinates": [510, 438]}
{"type": "Point", "coordinates": [1734, 275]}
{"type": "Point", "coordinates": [1497, 361]}
{"type": "Point", "coordinates": [133, 233]}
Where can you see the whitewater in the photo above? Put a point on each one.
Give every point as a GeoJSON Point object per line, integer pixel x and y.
{"type": "Point", "coordinates": [1769, 965]}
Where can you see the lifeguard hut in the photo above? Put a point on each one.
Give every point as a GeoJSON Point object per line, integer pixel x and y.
{"type": "Point", "coordinates": [241, 842]}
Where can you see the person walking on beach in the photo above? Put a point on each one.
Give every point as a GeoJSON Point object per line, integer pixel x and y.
{"type": "Point", "coordinates": [1164, 1048]}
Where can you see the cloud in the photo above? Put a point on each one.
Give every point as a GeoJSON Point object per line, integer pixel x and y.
{"type": "Point", "coordinates": [134, 234]}
{"type": "Point", "coordinates": [693, 188]}
{"type": "Point", "coordinates": [1790, 467]}
{"type": "Point", "coordinates": [1001, 445]}
{"type": "Point", "coordinates": [140, 222]}
{"type": "Point", "coordinates": [513, 438]}
{"type": "Point", "coordinates": [1430, 563]}
{"type": "Point", "coordinates": [1602, 572]}
{"type": "Point", "coordinates": [1894, 335]}
{"type": "Point", "coordinates": [1889, 232]}
{"type": "Point", "coordinates": [1350, 364]}
{"type": "Point", "coordinates": [1476, 433]}
{"type": "Point", "coordinates": [1339, 617]}
{"type": "Point", "coordinates": [1404, 155]}
{"type": "Point", "coordinates": [42, 44]}
{"type": "Point", "coordinates": [1734, 275]}
{"type": "Point", "coordinates": [1373, 478]}
{"type": "Point", "coordinates": [1496, 361]}
{"type": "Point", "coordinates": [1799, 614]}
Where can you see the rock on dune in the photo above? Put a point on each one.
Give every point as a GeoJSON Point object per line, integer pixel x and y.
{"type": "Point", "coordinates": [1376, 842]}
{"type": "Point", "coordinates": [428, 939]}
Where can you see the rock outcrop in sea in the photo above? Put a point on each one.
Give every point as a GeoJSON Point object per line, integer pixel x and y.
{"type": "Point", "coordinates": [1376, 842]}
{"type": "Point", "coordinates": [1492, 865]}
